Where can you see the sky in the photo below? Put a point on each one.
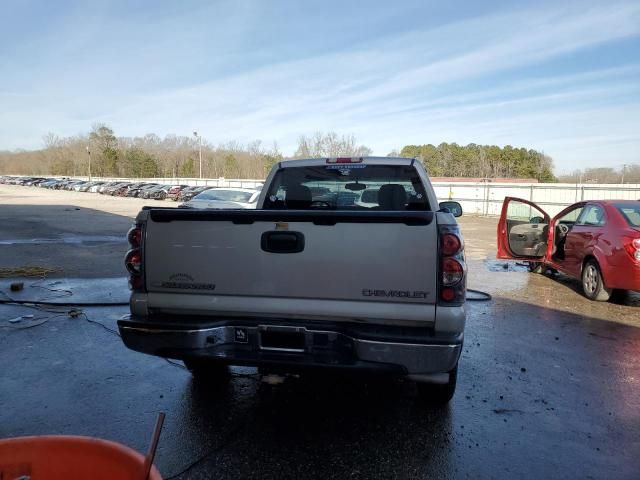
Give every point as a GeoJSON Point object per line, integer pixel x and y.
{"type": "Point", "coordinates": [558, 77]}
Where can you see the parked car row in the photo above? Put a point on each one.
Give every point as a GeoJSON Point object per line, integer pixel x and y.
{"type": "Point", "coordinates": [155, 191]}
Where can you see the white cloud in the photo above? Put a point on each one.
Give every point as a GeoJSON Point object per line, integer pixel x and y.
{"type": "Point", "coordinates": [463, 81]}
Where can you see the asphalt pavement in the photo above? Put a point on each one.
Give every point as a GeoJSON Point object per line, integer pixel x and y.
{"type": "Point", "coordinates": [548, 384]}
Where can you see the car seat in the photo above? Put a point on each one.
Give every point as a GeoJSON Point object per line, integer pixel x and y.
{"type": "Point", "coordinates": [298, 197]}
{"type": "Point", "coordinates": [599, 214]}
{"type": "Point", "coordinates": [392, 197]}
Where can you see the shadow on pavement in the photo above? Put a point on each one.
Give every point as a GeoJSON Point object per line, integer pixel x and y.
{"type": "Point", "coordinates": [319, 426]}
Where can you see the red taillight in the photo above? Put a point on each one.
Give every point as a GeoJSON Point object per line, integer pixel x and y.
{"type": "Point", "coordinates": [451, 281]}
{"type": "Point", "coordinates": [632, 246]}
{"type": "Point", "coordinates": [136, 282]}
{"type": "Point", "coordinates": [134, 237]}
{"type": "Point", "coordinates": [452, 271]}
{"type": "Point", "coordinates": [448, 294]}
{"type": "Point", "coordinates": [133, 261]}
{"type": "Point", "coordinates": [133, 258]}
{"type": "Point", "coordinates": [450, 244]}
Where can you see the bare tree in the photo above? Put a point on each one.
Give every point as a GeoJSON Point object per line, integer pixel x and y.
{"type": "Point", "coordinates": [330, 144]}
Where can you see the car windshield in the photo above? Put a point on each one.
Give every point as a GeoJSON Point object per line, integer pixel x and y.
{"type": "Point", "coordinates": [348, 187]}
{"type": "Point", "coordinates": [224, 195]}
{"type": "Point", "coordinates": [631, 213]}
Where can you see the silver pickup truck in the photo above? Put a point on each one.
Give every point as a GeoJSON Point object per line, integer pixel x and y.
{"type": "Point", "coordinates": [347, 263]}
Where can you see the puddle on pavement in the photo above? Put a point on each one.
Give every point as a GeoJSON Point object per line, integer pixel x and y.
{"type": "Point", "coordinates": [553, 291]}
{"type": "Point", "coordinates": [67, 239]}
{"type": "Point", "coordinates": [486, 275]}
{"type": "Point", "coordinates": [505, 266]}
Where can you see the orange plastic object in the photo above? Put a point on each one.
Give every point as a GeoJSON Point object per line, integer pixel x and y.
{"type": "Point", "coordinates": [59, 457]}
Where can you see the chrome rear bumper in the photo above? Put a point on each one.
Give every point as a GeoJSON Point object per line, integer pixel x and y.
{"type": "Point", "coordinates": [239, 344]}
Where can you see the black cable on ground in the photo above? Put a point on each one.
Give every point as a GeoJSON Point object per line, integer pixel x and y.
{"type": "Point", "coordinates": [231, 438]}
{"type": "Point", "coordinates": [95, 322]}
{"type": "Point", "coordinates": [484, 296]}
{"type": "Point", "coordinates": [63, 304]}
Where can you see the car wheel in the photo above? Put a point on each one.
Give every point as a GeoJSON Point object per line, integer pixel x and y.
{"type": "Point", "coordinates": [161, 196]}
{"type": "Point", "coordinates": [206, 369]}
{"type": "Point", "coordinates": [535, 267]}
{"type": "Point", "coordinates": [438, 395]}
{"type": "Point", "coordinates": [592, 283]}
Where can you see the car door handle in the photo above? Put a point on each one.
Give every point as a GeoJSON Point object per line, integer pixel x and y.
{"type": "Point", "coordinates": [282, 242]}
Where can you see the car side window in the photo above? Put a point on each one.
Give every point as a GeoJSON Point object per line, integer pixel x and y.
{"type": "Point", "coordinates": [571, 217]}
{"type": "Point", "coordinates": [592, 215]}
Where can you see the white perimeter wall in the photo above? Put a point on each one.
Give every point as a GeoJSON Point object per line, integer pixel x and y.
{"type": "Point", "coordinates": [486, 198]}
{"type": "Point", "coordinates": [476, 198]}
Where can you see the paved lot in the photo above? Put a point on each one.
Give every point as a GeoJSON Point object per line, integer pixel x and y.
{"type": "Point", "coordinates": [548, 384]}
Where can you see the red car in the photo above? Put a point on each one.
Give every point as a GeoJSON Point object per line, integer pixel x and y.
{"type": "Point", "coordinates": [597, 242]}
{"type": "Point", "coordinates": [174, 192]}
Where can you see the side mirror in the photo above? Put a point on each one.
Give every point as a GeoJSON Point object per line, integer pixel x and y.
{"type": "Point", "coordinates": [454, 208]}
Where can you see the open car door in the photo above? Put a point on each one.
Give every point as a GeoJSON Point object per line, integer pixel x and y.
{"type": "Point", "coordinates": [523, 230]}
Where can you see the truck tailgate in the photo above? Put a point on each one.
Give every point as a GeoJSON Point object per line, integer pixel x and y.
{"type": "Point", "coordinates": [371, 266]}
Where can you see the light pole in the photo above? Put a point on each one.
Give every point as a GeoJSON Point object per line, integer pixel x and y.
{"type": "Point", "coordinates": [624, 167]}
{"type": "Point", "coordinates": [89, 153]}
{"type": "Point", "coordinates": [195, 134]}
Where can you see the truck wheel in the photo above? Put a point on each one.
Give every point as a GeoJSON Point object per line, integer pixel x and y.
{"type": "Point", "coordinates": [438, 395]}
{"type": "Point", "coordinates": [592, 283]}
{"type": "Point", "coordinates": [205, 369]}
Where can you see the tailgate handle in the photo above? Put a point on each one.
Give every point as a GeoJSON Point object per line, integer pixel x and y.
{"type": "Point", "coordinates": [282, 242]}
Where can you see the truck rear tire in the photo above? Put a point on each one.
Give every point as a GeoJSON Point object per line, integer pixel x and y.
{"type": "Point", "coordinates": [436, 394]}
{"type": "Point", "coordinates": [205, 369]}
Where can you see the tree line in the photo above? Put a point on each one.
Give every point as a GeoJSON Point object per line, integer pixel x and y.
{"type": "Point", "coordinates": [482, 161]}
{"type": "Point", "coordinates": [179, 156]}
{"type": "Point", "coordinates": [140, 157]}
{"type": "Point", "coordinates": [625, 174]}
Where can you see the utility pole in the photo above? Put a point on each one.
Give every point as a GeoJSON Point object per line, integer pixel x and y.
{"type": "Point", "coordinates": [199, 137]}
{"type": "Point", "coordinates": [89, 153]}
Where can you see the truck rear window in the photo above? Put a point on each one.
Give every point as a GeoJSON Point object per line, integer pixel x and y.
{"type": "Point", "coordinates": [631, 213]}
{"type": "Point", "coordinates": [347, 187]}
